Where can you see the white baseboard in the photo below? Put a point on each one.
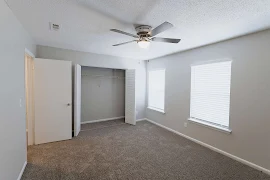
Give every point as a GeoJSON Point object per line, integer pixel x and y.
{"type": "Point", "coordinates": [250, 164]}
{"type": "Point", "coordinates": [143, 119]}
{"type": "Point", "coordinates": [100, 120]}
{"type": "Point", "coordinates": [21, 173]}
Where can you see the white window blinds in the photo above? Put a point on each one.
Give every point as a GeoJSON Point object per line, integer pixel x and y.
{"type": "Point", "coordinates": [210, 93]}
{"type": "Point", "coordinates": [156, 89]}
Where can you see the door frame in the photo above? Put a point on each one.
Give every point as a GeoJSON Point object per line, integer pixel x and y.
{"type": "Point", "coordinates": [29, 97]}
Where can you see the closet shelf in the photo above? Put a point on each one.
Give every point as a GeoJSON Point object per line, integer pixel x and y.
{"type": "Point", "coordinates": [99, 76]}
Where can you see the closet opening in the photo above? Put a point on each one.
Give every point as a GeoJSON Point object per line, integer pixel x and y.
{"type": "Point", "coordinates": [103, 95]}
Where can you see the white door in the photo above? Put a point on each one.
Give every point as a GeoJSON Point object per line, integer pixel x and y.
{"type": "Point", "coordinates": [77, 100]}
{"type": "Point", "coordinates": [52, 89]}
{"type": "Point", "coordinates": [130, 101]}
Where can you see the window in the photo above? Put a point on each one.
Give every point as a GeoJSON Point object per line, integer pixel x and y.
{"type": "Point", "coordinates": [210, 94]}
{"type": "Point", "coordinates": [156, 90]}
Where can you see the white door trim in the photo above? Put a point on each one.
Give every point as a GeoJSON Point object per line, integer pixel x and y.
{"type": "Point", "coordinates": [29, 96]}
{"type": "Point", "coordinates": [29, 53]}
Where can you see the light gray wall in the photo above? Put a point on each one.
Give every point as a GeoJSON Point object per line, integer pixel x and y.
{"type": "Point", "coordinates": [250, 96]}
{"type": "Point", "coordinates": [102, 97]}
{"type": "Point", "coordinates": [98, 60]}
{"type": "Point", "coordinates": [13, 41]}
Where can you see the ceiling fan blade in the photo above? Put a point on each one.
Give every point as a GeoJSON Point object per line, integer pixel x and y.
{"type": "Point", "coordinates": [124, 43]}
{"type": "Point", "coordinates": [161, 28]}
{"type": "Point", "coordinates": [166, 40]}
{"type": "Point", "coordinates": [125, 33]}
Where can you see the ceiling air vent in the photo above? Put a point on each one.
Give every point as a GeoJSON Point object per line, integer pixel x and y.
{"type": "Point", "coordinates": [54, 26]}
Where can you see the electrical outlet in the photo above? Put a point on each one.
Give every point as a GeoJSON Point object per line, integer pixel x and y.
{"type": "Point", "coordinates": [185, 124]}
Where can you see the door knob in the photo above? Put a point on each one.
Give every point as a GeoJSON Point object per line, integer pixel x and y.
{"type": "Point", "coordinates": [68, 104]}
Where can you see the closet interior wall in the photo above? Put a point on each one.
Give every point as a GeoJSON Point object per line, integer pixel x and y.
{"type": "Point", "coordinates": [103, 94]}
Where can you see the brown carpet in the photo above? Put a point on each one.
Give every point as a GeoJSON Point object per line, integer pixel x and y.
{"type": "Point", "coordinates": [121, 151]}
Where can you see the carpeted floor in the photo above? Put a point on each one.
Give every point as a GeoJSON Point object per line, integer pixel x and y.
{"type": "Point", "coordinates": [122, 151]}
{"type": "Point", "coordinates": [105, 124]}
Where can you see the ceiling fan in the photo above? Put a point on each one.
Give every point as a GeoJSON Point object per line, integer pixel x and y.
{"type": "Point", "coordinates": [145, 35]}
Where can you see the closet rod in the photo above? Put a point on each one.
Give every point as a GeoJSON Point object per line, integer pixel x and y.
{"type": "Point", "coordinates": [104, 76]}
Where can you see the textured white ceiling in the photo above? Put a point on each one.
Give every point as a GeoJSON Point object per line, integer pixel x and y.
{"type": "Point", "coordinates": [85, 24]}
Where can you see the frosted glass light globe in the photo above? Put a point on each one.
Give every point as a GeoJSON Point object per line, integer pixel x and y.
{"type": "Point", "coordinates": [143, 44]}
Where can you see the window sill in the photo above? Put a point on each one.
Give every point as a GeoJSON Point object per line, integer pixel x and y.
{"type": "Point", "coordinates": [156, 109]}
{"type": "Point", "coordinates": [212, 126]}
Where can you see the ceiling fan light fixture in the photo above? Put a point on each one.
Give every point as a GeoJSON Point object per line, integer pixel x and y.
{"type": "Point", "coordinates": [145, 35]}
{"type": "Point", "coordinates": [143, 44]}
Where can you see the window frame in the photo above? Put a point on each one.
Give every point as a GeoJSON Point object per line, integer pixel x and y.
{"type": "Point", "coordinates": [204, 122]}
{"type": "Point", "coordinates": [151, 107]}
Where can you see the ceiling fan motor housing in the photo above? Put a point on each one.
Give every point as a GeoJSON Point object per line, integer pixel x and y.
{"type": "Point", "coordinates": [143, 30]}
